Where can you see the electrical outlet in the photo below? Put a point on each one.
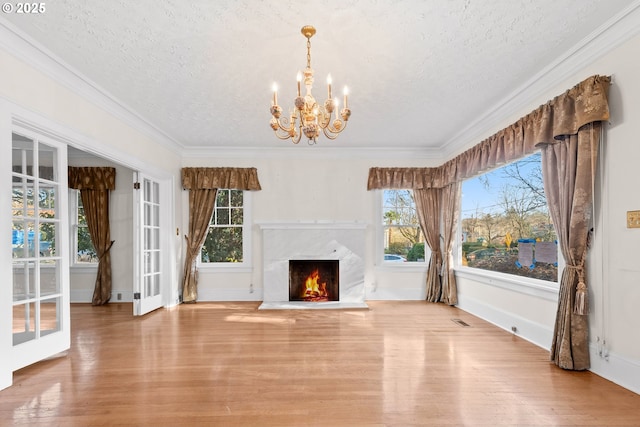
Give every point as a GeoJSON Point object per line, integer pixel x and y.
{"type": "Point", "coordinates": [514, 329]}
{"type": "Point", "coordinates": [119, 296]}
{"type": "Point", "coordinates": [633, 219]}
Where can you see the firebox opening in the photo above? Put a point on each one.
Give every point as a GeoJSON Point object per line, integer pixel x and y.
{"type": "Point", "coordinates": [314, 280]}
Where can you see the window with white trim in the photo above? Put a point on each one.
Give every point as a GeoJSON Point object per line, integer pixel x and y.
{"type": "Point", "coordinates": [83, 252]}
{"type": "Point", "coordinates": [228, 240]}
{"type": "Point", "coordinates": [402, 238]}
{"type": "Point", "coordinates": [505, 222]}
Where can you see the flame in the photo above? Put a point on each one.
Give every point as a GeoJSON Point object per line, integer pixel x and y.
{"type": "Point", "coordinates": [313, 290]}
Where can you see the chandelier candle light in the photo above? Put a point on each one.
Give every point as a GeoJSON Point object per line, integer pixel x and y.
{"type": "Point", "coordinates": [309, 117]}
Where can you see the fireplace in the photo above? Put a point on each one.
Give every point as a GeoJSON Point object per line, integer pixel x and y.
{"type": "Point", "coordinates": [341, 243]}
{"type": "Point", "coordinates": [314, 280]}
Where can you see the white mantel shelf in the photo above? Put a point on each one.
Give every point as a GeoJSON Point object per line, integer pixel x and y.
{"type": "Point", "coordinates": [318, 225]}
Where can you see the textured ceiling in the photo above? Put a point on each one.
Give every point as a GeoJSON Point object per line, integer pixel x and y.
{"type": "Point", "coordinates": [417, 71]}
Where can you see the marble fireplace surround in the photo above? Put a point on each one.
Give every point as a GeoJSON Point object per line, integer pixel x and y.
{"type": "Point", "coordinates": [281, 242]}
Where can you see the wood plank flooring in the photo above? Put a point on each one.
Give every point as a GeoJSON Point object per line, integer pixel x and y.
{"type": "Point", "coordinates": [228, 364]}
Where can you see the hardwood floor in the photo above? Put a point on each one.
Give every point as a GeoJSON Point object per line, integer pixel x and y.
{"type": "Point", "coordinates": [228, 364]}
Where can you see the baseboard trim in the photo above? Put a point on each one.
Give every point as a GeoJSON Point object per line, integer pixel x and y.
{"type": "Point", "coordinates": [229, 294]}
{"type": "Point", "coordinates": [615, 368]}
{"type": "Point", "coordinates": [373, 293]}
{"type": "Point", "coordinates": [86, 295]}
{"type": "Point", "coordinates": [533, 332]}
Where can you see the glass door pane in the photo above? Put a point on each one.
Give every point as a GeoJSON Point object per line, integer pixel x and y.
{"type": "Point", "coordinates": [36, 241]}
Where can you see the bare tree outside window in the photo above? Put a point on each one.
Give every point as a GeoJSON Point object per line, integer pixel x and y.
{"type": "Point", "coordinates": [502, 209]}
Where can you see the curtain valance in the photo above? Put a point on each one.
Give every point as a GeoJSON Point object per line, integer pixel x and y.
{"type": "Point", "coordinates": [562, 116]}
{"type": "Point", "coordinates": [400, 178]}
{"type": "Point", "coordinates": [210, 178]}
{"type": "Point", "coordinates": [92, 178]}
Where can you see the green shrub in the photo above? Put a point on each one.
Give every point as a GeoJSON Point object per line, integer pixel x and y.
{"type": "Point", "coordinates": [416, 252]}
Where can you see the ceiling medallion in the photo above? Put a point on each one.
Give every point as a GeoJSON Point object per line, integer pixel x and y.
{"type": "Point", "coordinates": [307, 116]}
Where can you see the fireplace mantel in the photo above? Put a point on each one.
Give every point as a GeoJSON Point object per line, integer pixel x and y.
{"type": "Point", "coordinates": [339, 240]}
{"type": "Point", "coordinates": [318, 225]}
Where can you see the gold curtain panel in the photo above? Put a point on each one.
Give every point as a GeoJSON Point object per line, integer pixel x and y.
{"type": "Point", "coordinates": [210, 178]}
{"type": "Point", "coordinates": [562, 116]}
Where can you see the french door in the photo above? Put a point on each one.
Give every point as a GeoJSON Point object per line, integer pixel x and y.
{"type": "Point", "coordinates": [40, 242]}
{"type": "Point", "coordinates": [149, 272]}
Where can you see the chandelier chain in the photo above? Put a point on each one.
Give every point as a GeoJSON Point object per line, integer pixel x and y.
{"type": "Point", "coordinates": [308, 52]}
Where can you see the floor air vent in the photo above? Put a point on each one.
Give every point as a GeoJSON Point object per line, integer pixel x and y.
{"type": "Point", "coordinates": [460, 322]}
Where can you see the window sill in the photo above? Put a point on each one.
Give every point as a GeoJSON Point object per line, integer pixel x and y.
{"type": "Point", "coordinates": [397, 267]}
{"type": "Point", "coordinates": [539, 288]}
{"type": "Point", "coordinates": [84, 268]}
{"type": "Point", "coordinates": [221, 268]}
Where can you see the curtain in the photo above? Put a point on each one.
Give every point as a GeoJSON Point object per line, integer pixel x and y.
{"type": "Point", "coordinates": [428, 209]}
{"type": "Point", "coordinates": [201, 203]}
{"type": "Point", "coordinates": [94, 184]}
{"type": "Point", "coordinates": [203, 184]}
{"type": "Point", "coordinates": [568, 169]}
{"type": "Point", "coordinates": [558, 125]}
{"type": "Point", "coordinates": [450, 213]}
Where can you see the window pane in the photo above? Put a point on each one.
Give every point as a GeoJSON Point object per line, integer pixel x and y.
{"type": "Point", "coordinates": [86, 252]}
{"type": "Point", "coordinates": [236, 198]}
{"type": "Point", "coordinates": [403, 239]}
{"type": "Point", "coordinates": [236, 216]}
{"type": "Point", "coordinates": [223, 244]}
{"type": "Point", "coordinates": [22, 202]}
{"type": "Point", "coordinates": [47, 162]}
{"type": "Point", "coordinates": [49, 278]}
{"type": "Point", "coordinates": [506, 225]}
{"type": "Point", "coordinates": [222, 198]}
{"type": "Point", "coordinates": [22, 155]}
{"type": "Point", "coordinates": [24, 323]}
{"type": "Point", "coordinates": [48, 238]}
{"type": "Point", "coordinates": [24, 276]}
{"type": "Point", "coordinates": [222, 216]}
{"type": "Point", "coordinates": [147, 195]}
{"type": "Point", "coordinates": [49, 316]}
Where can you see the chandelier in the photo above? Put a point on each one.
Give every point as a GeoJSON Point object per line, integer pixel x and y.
{"type": "Point", "coordinates": [307, 117]}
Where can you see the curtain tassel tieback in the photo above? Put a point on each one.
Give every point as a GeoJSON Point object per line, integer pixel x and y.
{"type": "Point", "coordinates": [581, 303]}
{"type": "Point", "coordinates": [581, 306]}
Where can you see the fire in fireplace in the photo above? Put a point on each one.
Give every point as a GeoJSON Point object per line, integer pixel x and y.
{"type": "Point", "coordinates": [314, 280]}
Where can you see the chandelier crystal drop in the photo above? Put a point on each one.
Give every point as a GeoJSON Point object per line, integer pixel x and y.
{"type": "Point", "coordinates": [307, 117]}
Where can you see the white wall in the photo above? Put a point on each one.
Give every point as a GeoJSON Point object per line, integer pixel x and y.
{"type": "Point", "coordinates": [308, 188]}
{"type": "Point", "coordinates": [83, 278]}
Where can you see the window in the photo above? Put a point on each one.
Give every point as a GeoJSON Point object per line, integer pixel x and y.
{"type": "Point", "coordinates": [23, 234]}
{"type": "Point", "coordinates": [402, 236]}
{"type": "Point", "coordinates": [83, 251]}
{"type": "Point", "coordinates": [505, 222]}
{"type": "Point", "coordinates": [227, 242]}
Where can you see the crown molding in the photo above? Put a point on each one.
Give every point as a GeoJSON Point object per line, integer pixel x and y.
{"type": "Point", "coordinates": [24, 119]}
{"type": "Point", "coordinates": [34, 54]}
{"type": "Point", "coordinates": [601, 41]}
{"type": "Point", "coordinates": [315, 152]}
